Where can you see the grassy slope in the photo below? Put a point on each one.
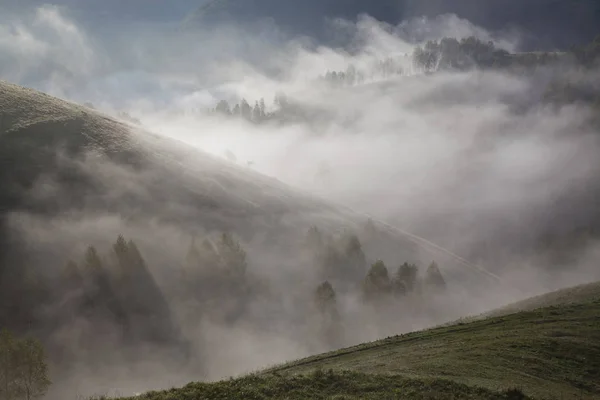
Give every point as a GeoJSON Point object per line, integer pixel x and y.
{"type": "Point", "coordinates": [550, 352]}
{"type": "Point", "coordinates": [329, 385]}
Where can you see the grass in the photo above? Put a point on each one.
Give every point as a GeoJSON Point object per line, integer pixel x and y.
{"type": "Point", "coordinates": [551, 352]}
{"type": "Point", "coordinates": [331, 385]}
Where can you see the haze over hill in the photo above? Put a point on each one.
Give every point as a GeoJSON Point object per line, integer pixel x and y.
{"type": "Point", "coordinates": [200, 206]}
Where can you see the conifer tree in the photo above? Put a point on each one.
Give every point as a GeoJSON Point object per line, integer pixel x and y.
{"type": "Point", "coordinates": [355, 260]}
{"type": "Point", "coordinates": [434, 277]}
{"type": "Point", "coordinates": [408, 275]}
{"type": "Point", "coordinates": [377, 284]}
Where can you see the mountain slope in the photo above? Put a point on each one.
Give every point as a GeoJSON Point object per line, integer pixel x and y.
{"type": "Point", "coordinates": [548, 352]}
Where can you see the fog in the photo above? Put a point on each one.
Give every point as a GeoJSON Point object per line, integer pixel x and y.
{"type": "Point", "coordinates": [471, 161]}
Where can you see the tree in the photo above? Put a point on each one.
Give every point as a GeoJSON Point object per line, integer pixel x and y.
{"type": "Point", "coordinates": [257, 113]}
{"type": "Point", "coordinates": [407, 274]}
{"type": "Point", "coordinates": [245, 110]}
{"type": "Point", "coordinates": [23, 368]}
{"type": "Point", "coordinates": [354, 257]}
{"type": "Point", "coordinates": [92, 263]}
{"type": "Point", "coordinates": [328, 318]}
{"type": "Point", "coordinates": [325, 298]}
{"type": "Point", "coordinates": [377, 282]}
{"type": "Point", "coordinates": [434, 277]}
{"type": "Point", "coordinates": [31, 372]}
{"type": "Point", "coordinates": [223, 108]}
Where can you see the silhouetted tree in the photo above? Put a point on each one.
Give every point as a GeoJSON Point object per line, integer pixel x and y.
{"type": "Point", "coordinates": [245, 110]}
{"type": "Point", "coordinates": [408, 275]}
{"type": "Point", "coordinates": [434, 277]}
{"type": "Point", "coordinates": [377, 284]}
{"type": "Point", "coordinates": [329, 318]}
{"type": "Point", "coordinates": [354, 257]}
{"type": "Point", "coordinates": [223, 108]}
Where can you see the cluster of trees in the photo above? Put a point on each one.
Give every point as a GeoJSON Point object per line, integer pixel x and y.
{"type": "Point", "coordinates": [216, 278]}
{"type": "Point", "coordinates": [243, 109]}
{"type": "Point", "coordinates": [23, 368]}
{"type": "Point", "coordinates": [452, 54]}
{"type": "Point", "coordinates": [449, 53]}
{"type": "Point", "coordinates": [343, 262]}
{"type": "Point", "coordinates": [116, 288]}
{"type": "Point", "coordinates": [338, 259]}
{"type": "Point", "coordinates": [352, 76]}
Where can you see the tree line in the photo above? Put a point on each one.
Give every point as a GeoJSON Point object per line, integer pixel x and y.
{"type": "Point", "coordinates": [23, 368]}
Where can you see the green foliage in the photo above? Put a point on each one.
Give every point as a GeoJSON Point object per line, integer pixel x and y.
{"type": "Point", "coordinates": [23, 368]}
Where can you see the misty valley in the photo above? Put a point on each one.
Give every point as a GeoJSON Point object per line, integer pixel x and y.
{"type": "Point", "coordinates": [243, 203]}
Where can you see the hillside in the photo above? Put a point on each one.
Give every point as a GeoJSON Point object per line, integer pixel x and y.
{"type": "Point", "coordinates": [548, 353]}
{"type": "Point", "coordinates": [74, 180]}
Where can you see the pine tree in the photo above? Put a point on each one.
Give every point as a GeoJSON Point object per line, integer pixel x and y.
{"type": "Point", "coordinates": [263, 111]}
{"type": "Point", "coordinates": [408, 275]}
{"type": "Point", "coordinates": [121, 252]}
{"type": "Point", "coordinates": [245, 110]}
{"type": "Point", "coordinates": [92, 263]}
{"type": "Point", "coordinates": [377, 283]}
{"type": "Point", "coordinates": [434, 277]}
{"type": "Point", "coordinates": [325, 299]}
{"type": "Point", "coordinates": [328, 316]}
{"type": "Point", "coordinates": [355, 259]}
